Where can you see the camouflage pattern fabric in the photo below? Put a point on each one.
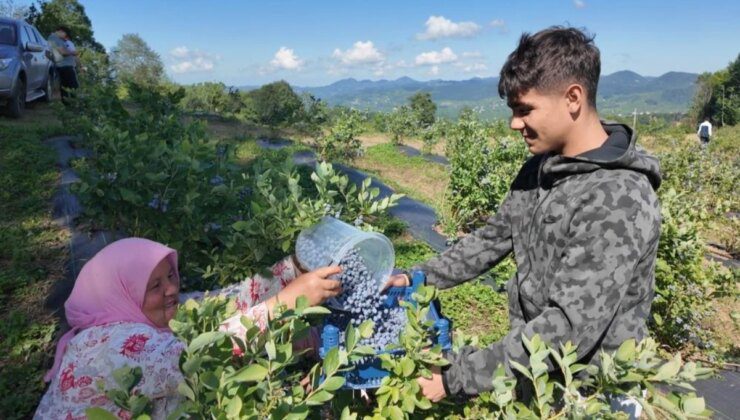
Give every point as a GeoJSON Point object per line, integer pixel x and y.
{"type": "Point", "coordinates": [584, 233]}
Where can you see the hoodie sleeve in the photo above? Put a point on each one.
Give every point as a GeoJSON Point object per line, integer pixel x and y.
{"type": "Point", "coordinates": [474, 254]}
{"type": "Point", "coordinates": [610, 233]}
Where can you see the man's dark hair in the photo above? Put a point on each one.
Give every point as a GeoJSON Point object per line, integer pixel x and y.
{"type": "Point", "coordinates": [65, 29]}
{"type": "Point", "coordinates": [551, 59]}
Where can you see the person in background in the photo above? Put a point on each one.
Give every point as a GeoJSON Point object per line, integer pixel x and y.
{"type": "Point", "coordinates": [704, 132]}
{"type": "Point", "coordinates": [66, 58]}
{"type": "Point", "coordinates": [119, 313]}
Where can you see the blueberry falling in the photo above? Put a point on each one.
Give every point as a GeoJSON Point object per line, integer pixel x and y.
{"type": "Point", "coordinates": [361, 301]}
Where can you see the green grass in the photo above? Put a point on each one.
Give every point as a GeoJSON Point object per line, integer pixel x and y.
{"type": "Point", "coordinates": [32, 255]}
{"type": "Point", "coordinates": [414, 176]}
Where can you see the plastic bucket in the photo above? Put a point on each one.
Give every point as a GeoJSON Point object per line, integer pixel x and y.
{"type": "Point", "coordinates": [327, 242]}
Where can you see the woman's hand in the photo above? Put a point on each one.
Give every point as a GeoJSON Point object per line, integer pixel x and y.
{"type": "Point", "coordinates": [397, 280]}
{"type": "Point", "coordinates": [315, 285]}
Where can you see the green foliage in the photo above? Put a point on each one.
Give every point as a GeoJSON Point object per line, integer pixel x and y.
{"type": "Point", "coordinates": [315, 115]}
{"type": "Point", "coordinates": [342, 142]}
{"type": "Point", "coordinates": [207, 97]}
{"type": "Point", "coordinates": [151, 175]}
{"type": "Point", "coordinates": [432, 134]}
{"type": "Point", "coordinates": [423, 109]}
{"type": "Point", "coordinates": [256, 376]}
{"type": "Point", "coordinates": [481, 170]}
{"type": "Point", "coordinates": [401, 124]}
{"type": "Point", "coordinates": [717, 96]}
{"type": "Point", "coordinates": [70, 13]}
{"type": "Point", "coordinates": [399, 395]}
{"type": "Point", "coordinates": [276, 103]}
{"type": "Point", "coordinates": [132, 60]}
{"type": "Point", "coordinates": [261, 375]}
{"type": "Point", "coordinates": [32, 254]}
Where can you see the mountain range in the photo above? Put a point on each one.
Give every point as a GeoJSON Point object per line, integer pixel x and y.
{"type": "Point", "coordinates": [619, 93]}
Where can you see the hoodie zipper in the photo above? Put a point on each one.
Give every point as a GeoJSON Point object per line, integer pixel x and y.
{"type": "Point", "coordinates": [529, 231]}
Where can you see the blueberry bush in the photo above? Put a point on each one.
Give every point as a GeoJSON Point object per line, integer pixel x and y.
{"type": "Point", "coordinates": [481, 170]}
{"type": "Point", "coordinates": [151, 174]}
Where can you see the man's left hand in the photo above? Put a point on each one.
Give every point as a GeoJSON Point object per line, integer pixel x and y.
{"type": "Point", "coordinates": [433, 388]}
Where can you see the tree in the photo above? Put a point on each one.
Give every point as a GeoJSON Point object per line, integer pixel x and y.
{"type": "Point", "coordinates": [717, 96]}
{"type": "Point", "coordinates": [207, 97]}
{"type": "Point", "coordinates": [10, 9]}
{"type": "Point", "coordinates": [70, 13]}
{"type": "Point", "coordinates": [276, 103]}
{"type": "Point", "coordinates": [401, 124]}
{"type": "Point", "coordinates": [133, 61]}
{"type": "Point", "coordinates": [423, 108]}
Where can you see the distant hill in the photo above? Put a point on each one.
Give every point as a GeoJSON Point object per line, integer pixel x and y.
{"type": "Point", "coordinates": [619, 93]}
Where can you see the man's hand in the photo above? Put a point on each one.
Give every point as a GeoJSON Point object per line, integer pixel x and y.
{"type": "Point", "coordinates": [433, 388]}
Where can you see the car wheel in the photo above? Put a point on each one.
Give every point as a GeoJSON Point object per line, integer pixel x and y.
{"type": "Point", "coordinates": [48, 90]}
{"type": "Point", "coordinates": [17, 102]}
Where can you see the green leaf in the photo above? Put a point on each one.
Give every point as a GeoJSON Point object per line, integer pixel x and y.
{"type": "Point", "coordinates": [350, 337]}
{"type": "Point", "coordinates": [319, 397]}
{"type": "Point", "coordinates": [185, 391]}
{"type": "Point", "coordinates": [668, 370]}
{"type": "Point", "coordinates": [626, 351]}
{"type": "Point", "coordinates": [204, 340]}
{"type": "Point", "coordinates": [251, 373]}
{"type": "Point", "coordinates": [128, 195]}
{"type": "Point", "coordinates": [394, 413]}
{"type": "Point", "coordinates": [347, 415]}
{"type": "Point", "coordinates": [234, 407]}
{"type": "Point", "coordinates": [407, 367]}
{"type": "Point", "coordinates": [693, 405]}
{"type": "Point", "coordinates": [366, 329]}
{"type": "Point", "coordinates": [332, 384]}
{"type": "Point", "coordinates": [97, 413]}
{"type": "Point", "coordinates": [316, 310]}
{"type": "Point", "coordinates": [270, 349]}
{"type": "Point", "coordinates": [331, 361]}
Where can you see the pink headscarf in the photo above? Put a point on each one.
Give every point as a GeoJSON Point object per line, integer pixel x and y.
{"type": "Point", "coordinates": [111, 288]}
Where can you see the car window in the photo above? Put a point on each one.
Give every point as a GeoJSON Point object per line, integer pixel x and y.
{"type": "Point", "coordinates": [7, 33]}
{"type": "Point", "coordinates": [25, 37]}
{"type": "Point", "coordinates": [39, 38]}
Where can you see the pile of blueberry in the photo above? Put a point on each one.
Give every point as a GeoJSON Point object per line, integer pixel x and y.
{"type": "Point", "coordinates": [361, 301]}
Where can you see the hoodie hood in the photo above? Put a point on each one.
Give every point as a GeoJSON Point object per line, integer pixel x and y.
{"type": "Point", "coordinates": [617, 152]}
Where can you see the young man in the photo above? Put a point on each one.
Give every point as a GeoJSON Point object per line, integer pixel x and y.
{"type": "Point", "coordinates": [65, 60]}
{"type": "Point", "coordinates": [705, 131]}
{"type": "Point", "coordinates": [581, 218]}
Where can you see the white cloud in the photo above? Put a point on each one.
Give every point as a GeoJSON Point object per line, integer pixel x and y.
{"type": "Point", "coordinates": [434, 70]}
{"type": "Point", "coordinates": [441, 27]}
{"type": "Point", "coordinates": [286, 59]}
{"type": "Point", "coordinates": [580, 4]}
{"type": "Point", "coordinates": [497, 23]}
{"type": "Point", "coordinates": [185, 60]}
{"type": "Point", "coordinates": [475, 67]}
{"type": "Point", "coordinates": [360, 53]}
{"type": "Point", "coordinates": [446, 55]}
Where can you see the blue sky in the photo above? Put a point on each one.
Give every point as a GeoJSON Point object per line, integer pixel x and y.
{"type": "Point", "coordinates": [317, 42]}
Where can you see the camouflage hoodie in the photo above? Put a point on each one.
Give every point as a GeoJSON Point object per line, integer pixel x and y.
{"type": "Point", "coordinates": [584, 232]}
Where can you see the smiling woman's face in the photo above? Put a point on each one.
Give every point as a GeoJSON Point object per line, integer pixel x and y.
{"type": "Point", "coordinates": [162, 294]}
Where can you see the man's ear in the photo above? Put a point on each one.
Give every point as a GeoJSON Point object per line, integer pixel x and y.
{"type": "Point", "coordinates": [575, 97]}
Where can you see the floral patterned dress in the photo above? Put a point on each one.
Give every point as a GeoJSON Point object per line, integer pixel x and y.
{"type": "Point", "coordinates": [94, 353]}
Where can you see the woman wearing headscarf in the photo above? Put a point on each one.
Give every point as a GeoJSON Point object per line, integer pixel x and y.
{"type": "Point", "coordinates": [119, 310]}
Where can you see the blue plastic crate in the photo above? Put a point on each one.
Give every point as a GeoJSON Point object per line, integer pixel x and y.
{"type": "Point", "coordinates": [369, 374]}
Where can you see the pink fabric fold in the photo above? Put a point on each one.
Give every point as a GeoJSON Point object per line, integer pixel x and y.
{"type": "Point", "coordinates": [111, 288]}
